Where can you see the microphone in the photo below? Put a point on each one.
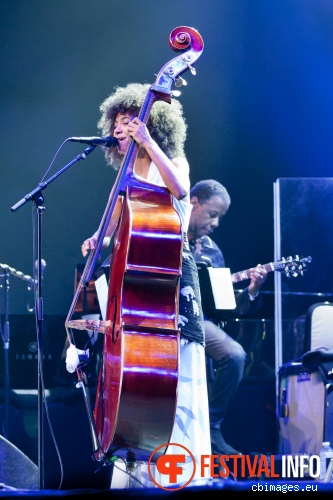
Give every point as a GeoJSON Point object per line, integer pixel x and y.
{"type": "Point", "coordinates": [109, 142]}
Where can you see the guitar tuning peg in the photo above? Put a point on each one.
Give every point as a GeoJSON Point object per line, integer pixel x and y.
{"type": "Point", "coordinates": [180, 81]}
{"type": "Point", "coordinates": [175, 93]}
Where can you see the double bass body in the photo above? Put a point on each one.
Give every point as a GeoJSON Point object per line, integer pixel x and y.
{"type": "Point", "coordinates": [137, 388]}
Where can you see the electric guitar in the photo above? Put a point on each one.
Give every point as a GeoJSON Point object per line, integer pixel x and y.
{"type": "Point", "coordinates": [291, 267]}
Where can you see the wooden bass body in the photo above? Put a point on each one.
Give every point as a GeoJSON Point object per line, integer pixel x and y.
{"type": "Point", "coordinates": [137, 388]}
{"type": "Point", "coordinates": [136, 395]}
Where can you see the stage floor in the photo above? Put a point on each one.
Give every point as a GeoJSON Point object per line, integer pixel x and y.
{"type": "Point", "coordinates": [212, 489]}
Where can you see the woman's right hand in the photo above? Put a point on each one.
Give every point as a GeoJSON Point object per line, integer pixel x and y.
{"type": "Point", "coordinates": [88, 244]}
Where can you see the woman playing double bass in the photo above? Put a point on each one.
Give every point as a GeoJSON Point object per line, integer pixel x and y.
{"type": "Point", "coordinates": [161, 161]}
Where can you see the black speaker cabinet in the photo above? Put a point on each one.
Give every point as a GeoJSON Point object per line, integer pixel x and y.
{"type": "Point", "coordinates": [23, 350]}
{"type": "Point", "coordinates": [305, 409]}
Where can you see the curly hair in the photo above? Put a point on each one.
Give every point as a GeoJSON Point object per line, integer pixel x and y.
{"type": "Point", "coordinates": [207, 188]}
{"type": "Point", "coordinates": [166, 123]}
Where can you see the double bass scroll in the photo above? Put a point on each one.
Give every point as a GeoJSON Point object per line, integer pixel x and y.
{"type": "Point", "coordinates": [137, 387]}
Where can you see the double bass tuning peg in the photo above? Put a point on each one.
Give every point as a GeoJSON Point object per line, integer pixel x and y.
{"type": "Point", "coordinates": [193, 71]}
{"type": "Point", "coordinates": [187, 58]}
{"type": "Point", "coordinates": [179, 82]}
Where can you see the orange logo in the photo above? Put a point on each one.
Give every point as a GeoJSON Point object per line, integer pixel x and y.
{"type": "Point", "coordinates": [170, 465]}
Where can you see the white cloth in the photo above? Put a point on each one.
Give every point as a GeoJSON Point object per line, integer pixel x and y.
{"type": "Point", "coordinates": [72, 357]}
{"type": "Point", "coordinates": [191, 425]}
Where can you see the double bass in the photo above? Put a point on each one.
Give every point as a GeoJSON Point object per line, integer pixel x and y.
{"type": "Point", "coordinates": [136, 395]}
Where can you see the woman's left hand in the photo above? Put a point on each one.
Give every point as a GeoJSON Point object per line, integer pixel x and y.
{"type": "Point", "coordinates": [139, 132]}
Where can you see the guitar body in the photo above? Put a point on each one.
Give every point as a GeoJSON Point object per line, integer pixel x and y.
{"type": "Point", "coordinates": [137, 388]}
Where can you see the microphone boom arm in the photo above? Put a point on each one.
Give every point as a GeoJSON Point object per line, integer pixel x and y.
{"type": "Point", "coordinates": [35, 194]}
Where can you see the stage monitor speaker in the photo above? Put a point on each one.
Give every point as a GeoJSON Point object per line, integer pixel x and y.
{"type": "Point", "coordinates": [16, 469]}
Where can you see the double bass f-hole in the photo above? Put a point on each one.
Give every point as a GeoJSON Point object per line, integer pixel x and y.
{"type": "Point", "coordinates": [114, 312]}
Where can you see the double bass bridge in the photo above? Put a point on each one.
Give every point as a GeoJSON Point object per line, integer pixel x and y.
{"type": "Point", "coordinates": [95, 325]}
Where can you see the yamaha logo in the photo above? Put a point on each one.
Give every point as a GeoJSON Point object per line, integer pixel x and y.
{"type": "Point", "coordinates": [32, 346]}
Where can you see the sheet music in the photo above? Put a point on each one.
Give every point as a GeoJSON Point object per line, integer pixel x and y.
{"type": "Point", "coordinates": [223, 291]}
{"type": "Point", "coordinates": [102, 294]}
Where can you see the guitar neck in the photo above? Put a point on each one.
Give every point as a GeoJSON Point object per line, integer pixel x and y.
{"type": "Point", "coordinates": [245, 275]}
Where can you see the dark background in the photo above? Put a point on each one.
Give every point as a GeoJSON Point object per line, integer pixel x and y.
{"type": "Point", "coordinates": [259, 108]}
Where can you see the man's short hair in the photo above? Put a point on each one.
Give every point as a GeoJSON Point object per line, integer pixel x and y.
{"type": "Point", "coordinates": [205, 189]}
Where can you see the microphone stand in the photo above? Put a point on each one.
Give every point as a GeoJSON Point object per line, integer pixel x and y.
{"type": "Point", "coordinates": [37, 197]}
{"type": "Point", "coordinates": [6, 338]}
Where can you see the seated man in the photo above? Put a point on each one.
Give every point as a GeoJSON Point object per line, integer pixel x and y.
{"type": "Point", "coordinates": [211, 201]}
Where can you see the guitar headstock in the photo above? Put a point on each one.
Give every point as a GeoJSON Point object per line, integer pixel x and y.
{"type": "Point", "coordinates": [293, 266]}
